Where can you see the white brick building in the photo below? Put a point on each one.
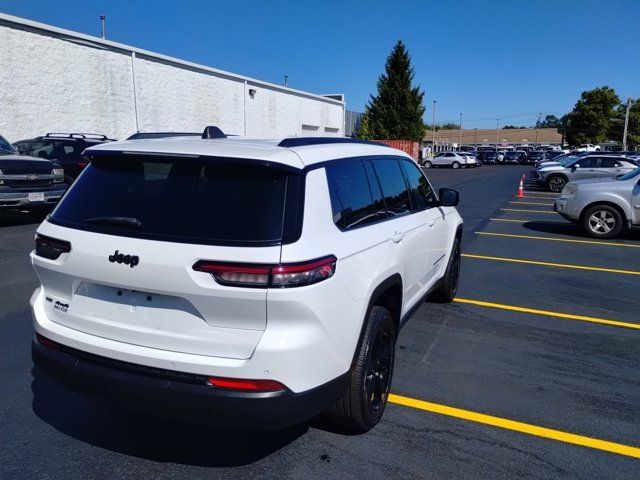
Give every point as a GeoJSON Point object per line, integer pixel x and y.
{"type": "Point", "coordinates": [55, 80]}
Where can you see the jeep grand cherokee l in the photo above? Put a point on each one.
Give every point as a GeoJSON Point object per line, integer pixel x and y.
{"type": "Point", "coordinates": [244, 283]}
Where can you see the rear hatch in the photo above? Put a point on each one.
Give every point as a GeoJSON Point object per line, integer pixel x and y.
{"type": "Point", "coordinates": [137, 225]}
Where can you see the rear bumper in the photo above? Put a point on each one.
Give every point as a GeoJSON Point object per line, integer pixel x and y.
{"type": "Point", "coordinates": [180, 396]}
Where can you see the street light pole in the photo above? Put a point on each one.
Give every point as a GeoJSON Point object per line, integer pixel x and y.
{"type": "Point", "coordinates": [537, 127]}
{"type": "Point", "coordinates": [460, 134]}
{"type": "Point", "coordinates": [433, 133]}
{"type": "Point", "coordinates": [497, 122]}
{"type": "Point", "coordinates": [626, 125]}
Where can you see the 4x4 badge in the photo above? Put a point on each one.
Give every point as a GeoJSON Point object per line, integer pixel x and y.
{"type": "Point", "coordinates": [131, 260]}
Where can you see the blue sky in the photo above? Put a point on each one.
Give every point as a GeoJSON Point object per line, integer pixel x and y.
{"type": "Point", "coordinates": [487, 59]}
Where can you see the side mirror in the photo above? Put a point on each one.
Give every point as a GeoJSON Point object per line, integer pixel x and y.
{"type": "Point", "coordinates": [448, 197]}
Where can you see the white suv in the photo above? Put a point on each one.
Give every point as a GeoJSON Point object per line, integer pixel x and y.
{"type": "Point", "coordinates": [243, 283]}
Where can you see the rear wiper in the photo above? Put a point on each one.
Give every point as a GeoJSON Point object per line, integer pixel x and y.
{"type": "Point", "coordinates": [120, 221]}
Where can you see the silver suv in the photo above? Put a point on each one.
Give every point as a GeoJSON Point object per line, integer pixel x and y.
{"type": "Point", "coordinates": [555, 177]}
{"type": "Point", "coordinates": [602, 206]}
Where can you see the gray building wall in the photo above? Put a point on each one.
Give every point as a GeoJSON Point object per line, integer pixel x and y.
{"type": "Point", "coordinates": [57, 80]}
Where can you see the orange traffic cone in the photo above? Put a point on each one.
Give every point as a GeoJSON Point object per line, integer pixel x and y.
{"type": "Point", "coordinates": [521, 188]}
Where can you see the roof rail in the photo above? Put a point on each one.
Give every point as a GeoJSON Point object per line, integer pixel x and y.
{"type": "Point", "coordinates": [305, 141]}
{"type": "Point", "coordinates": [211, 131]}
{"type": "Point", "coordinates": [147, 135]}
{"type": "Point", "coordinates": [78, 135]}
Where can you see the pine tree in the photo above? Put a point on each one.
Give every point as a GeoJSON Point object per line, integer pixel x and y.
{"type": "Point", "coordinates": [396, 112]}
{"type": "Point", "coordinates": [364, 129]}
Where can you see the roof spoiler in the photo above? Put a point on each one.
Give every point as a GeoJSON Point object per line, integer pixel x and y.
{"type": "Point", "coordinates": [212, 132]}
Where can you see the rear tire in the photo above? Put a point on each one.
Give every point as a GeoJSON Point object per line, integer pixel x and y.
{"type": "Point", "coordinates": [602, 221]}
{"type": "Point", "coordinates": [455, 165]}
{"type": "Point", "coordinates": [448, 288]}
{"type": "Point", "coordinates": [39, 213]}
{"type": "Point", "coordinates": [362, 405]}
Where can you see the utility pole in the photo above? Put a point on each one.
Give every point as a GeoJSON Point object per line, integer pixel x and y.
{"type": "Point", "coordinates": [103, 24]}
{"type": "Point", "coordinates": [626, 125]}
{"type": "Point", "coordinates": [497, 122]}
{"type": "Point", "coordinates": [433, 126]}
{"type": "Point", "coordinates": [537, 127]}
{"type": "Point", "coordinates": [286, 80]}
{"type": "Point", "coordinates": [460, 134]}
{"type": "Point", "coordinates": [475, 138]}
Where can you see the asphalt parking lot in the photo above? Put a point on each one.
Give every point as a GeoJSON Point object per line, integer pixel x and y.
{"type": "Point", "coordinates": [532, 372]}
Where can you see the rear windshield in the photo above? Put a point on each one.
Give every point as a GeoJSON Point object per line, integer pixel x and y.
{"type": "Point", "coordinates": [213, 201]}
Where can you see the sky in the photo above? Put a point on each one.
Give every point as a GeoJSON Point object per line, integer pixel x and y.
{"type": "Point", "coordinates": [508, 59]}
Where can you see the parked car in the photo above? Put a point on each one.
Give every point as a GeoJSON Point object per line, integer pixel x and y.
{"type": "Point", "coordinates": [551, 154]}
{"type": "Point", "coordinates": [450, 159]}
{"type": "Point", "coordinates": [536, 156]}
{"type": "Point", "coordinates": [555, 177]}
{"type": "Point", "coordinates": [514, 158]}
{"type": "Point", "coordinates": [603, 207]}
{"type": "Point", "coordinates": [488, 157]}
{"type": "Point", "coordinates": [63, 148]}
{"type": "Point", "coordinates": [587, 147]}
{"type": "Point", "coordinates": [147, 302]}
{"type": "Point", "coordinates": [28, 183]}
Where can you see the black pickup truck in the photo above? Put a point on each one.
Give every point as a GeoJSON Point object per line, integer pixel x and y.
{"type": "Point", "coordinates": [29, 183]}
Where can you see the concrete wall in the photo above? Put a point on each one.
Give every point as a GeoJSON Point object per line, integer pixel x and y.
{"type": "Point", "coordinates": [54, 80]}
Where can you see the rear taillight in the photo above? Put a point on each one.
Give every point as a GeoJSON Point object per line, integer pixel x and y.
{"type": "Point", "coordinates": [51, 248]}
{"type": "Point", "coordinates": [262, 276]}
{"type": "Point", "coordinates": [83, 164]}
{"type": "Point", "coordinates": [246, 385]}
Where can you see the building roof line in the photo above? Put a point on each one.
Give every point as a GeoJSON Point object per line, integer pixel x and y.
{"type": "Point", "coordinates": [96, 42]}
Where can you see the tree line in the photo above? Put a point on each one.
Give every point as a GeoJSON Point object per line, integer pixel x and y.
{"type": "Point", "coordinates": [397, 110]}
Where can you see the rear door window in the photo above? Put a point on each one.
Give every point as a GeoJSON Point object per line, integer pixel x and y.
{"type": "Point", "coordinates": [352, 202]}
{"type": "Point", "coordinates": [394, 187]}
{"type": "Point", "coordinates": [209, 201]}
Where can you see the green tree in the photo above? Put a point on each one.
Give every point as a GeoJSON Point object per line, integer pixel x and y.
{"type": "Point", "coordinates": [592, 117]}
{"type": "Point", "coordinates": [396, 111]}
{"type": "Point", "coordinates": [616, 128]}
{"type": "Point", "coordinates": [550, 121]}
{"type": "Point", "coordinates": [364, 129]}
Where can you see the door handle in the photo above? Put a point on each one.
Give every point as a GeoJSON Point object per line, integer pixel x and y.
{"type": "Point", "coordinates": [397, 237]}
{"type": "Point", "coordinates": [431, 223]}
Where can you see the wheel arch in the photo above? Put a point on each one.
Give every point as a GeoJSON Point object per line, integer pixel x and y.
{"type": "Point", "coordinates": [387, 294]}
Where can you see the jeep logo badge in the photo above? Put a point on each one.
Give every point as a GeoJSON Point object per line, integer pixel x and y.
{"type": "Point", "coordinates": [131, 260]}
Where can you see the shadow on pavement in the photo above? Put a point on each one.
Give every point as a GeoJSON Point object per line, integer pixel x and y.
{"type": "Point", "coordinates": [573, 230]}
{"type": "Point", "coordinates": [156, 439]}
{"type": "Point", "coordinates": [13, 218]}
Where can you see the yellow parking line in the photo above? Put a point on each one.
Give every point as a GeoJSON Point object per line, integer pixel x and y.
{"type": "Point", "coordinates": [516, 426]}
{"type": "Point", "coordinates": [551, 264]}
{"type": "Point", "coordinates": [534, 237]}
{"type": "Point", "coordinates": [532, 203]}
{"type": "Point", "coordinates": [547, 313]}
{"type": "Point", "coordinates": [529, 211]}
{"type": "Point", "coordinates": [508, 220]}
{"type": "Point", "coordinates": [542, 198]}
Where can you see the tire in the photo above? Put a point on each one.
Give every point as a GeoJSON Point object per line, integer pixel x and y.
{"type": "Point", "coordinates": [556, 183]}
{"type": "Point", "coordinates": [358, 411]}
{"type": "Point", "coordinates": [448, 288]}
{"type": "Point", "coordinates": [602, 221]}
{"type": "Point", "coordinates": [455, 165]}
{"type": "Point", "coordinates": [427, 164]}
{"type": "Point", "coordinates": [39, 213]}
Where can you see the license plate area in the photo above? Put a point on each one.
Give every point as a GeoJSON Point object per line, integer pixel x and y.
{"type": "Point", "coordinates": [35, 197]}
